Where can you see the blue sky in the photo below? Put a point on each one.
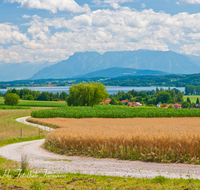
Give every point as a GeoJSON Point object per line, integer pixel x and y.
{"type": "Point", "coordinates": [37, 31]}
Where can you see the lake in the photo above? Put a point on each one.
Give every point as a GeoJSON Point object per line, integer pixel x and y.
{"type": "Point", "coordinates": [110, 89]}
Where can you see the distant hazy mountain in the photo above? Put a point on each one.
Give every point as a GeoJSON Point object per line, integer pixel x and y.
{"type": "Point", "coordinates": [195, 59]}
{"type": "Point", "coordinates": [118, 72]}
{"type": "Point", "coordinates": [83, 63]}
{"type": "Point", "coordinates": [19, 71]}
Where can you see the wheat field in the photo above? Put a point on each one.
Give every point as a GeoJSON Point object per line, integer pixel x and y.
{"type": "Point", "coordinates": [149, 139]}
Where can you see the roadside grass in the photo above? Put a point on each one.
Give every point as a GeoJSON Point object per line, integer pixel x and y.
{"type": "Point", "coordinates": [9, 128]}
{"type": "Point", "coordinates": [26, 103]}
{"type": "Point", "coordinates": [193, 98]}
{"type": "Point", "coordinates": [10, 132]}
{"type": "Point", "coordinates": [80, 181]}
{"type": "Point", "coordinates": [110, 111]}
{"type": "Point", "coordinates": [32, 120]}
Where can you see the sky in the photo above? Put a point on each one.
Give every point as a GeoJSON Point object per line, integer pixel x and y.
{"type": "Point", "coordinates": [37, 31]}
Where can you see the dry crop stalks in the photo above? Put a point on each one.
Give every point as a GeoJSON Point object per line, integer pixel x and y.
{"type": "Point", "coordinates": [154, 140]}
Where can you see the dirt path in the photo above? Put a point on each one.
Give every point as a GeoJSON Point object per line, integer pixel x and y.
{"type": "Point", "coordinates": [38, 158]}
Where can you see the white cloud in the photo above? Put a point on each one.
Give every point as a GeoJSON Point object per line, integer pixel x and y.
{"type": "Point", "coordinates": [113, 3]}
{"type": "Point", "coordinates": [11, 34]}
{"type": "Point", "coordinates": [143, 5]}
{"type": "Point", "coordinates": [102, 30]}
{"type": "Point", "coordinates": [189, 1]}
{"type": "Point", "coordinates": [52, 5]}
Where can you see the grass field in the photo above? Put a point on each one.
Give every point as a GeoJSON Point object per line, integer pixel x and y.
{"type": "Point", "coordinates": [10, 128]}
{"type": "Point", "coordinates": [192, 98]}
{"type": "Point", "coordinates": [114, 112]}
{"type": "Point", "coordinates": [27, 103]}
{"type": "Point", "coordinates": [10, 132]}
{"type": "Point", "coordinates": [79, 181]}
{"type": "Point", "coordinates": [1, 98]}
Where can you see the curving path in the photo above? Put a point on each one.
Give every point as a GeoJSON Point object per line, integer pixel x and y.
{"type": "Point", "coordinates": [39, 158]}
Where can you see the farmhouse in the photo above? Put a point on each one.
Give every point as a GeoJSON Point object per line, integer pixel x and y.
{"type": "Point", "coordinates": [105, 102]}
{"type": "Point", "coordinates": [197, 105]}
{"type": "Point", "coordinates": [177, 106]}
{"type": "Point", "coordinates": [138, 104]}
{"type": "Point", "coordinates": [124, 101]}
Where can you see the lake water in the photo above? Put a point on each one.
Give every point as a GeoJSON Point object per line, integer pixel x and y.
{"type": "Point", "coordinates": [110, 89]}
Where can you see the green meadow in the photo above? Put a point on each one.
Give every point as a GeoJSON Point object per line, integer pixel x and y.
{"type": "Point", "coordinates": [193, 98]}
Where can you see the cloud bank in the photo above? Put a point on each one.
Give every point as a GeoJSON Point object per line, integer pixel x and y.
{"type": "Point", "coordinates": [101, 30]}
{"type": "Point", "coordinates": [52, 5]}
{"type": "Point", "coordinates": [190, 1]}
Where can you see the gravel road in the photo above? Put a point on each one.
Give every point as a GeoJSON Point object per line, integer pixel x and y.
{"type": "Point", "coordinates": [38, 158]}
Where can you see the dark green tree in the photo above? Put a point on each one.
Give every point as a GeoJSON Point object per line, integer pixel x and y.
{"type": "Point", "coordinates": [197, 102]}
{"type": "Point", "coordinates": [188, 100]}
{"type": "Point", "coordinates": [113, 101]}
{"type": "Point", "coordinates": [11, 99]}
{"type": "Point", "coordinates": [185, 104]}
{"type": "Point", "coordinates": [173, 95]}
{"type": "Point", "coordinates": [163, 97]}
{"type": "Point", "coordinates": [179, 97]}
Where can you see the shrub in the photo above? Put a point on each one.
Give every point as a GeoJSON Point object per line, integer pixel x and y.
{"type": "Point", "coordinates": [186, 104]}
{"type": "Point", "coordinates": [11, 99]}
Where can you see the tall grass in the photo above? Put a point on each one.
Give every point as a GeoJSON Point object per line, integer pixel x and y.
{"type": "Point", "coordinates": [114, 112]}
{"type": "Point", "coordinates": [165, 144]}
{"type": "Point", "coordinates": [9, 128]}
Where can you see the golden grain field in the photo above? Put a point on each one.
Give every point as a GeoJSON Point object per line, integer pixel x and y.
{"type": "Point", "coordinates": [148, 139]}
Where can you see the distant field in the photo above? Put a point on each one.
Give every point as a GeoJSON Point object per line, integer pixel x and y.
{"type": "Point", "coordinates": [114, 112]}
{"type": "Point", "coordinates": [1, 98]}
{"type": "Point", "coordinates": [38, 104]}
{"type": "Point", "coordinates": [192, 98]}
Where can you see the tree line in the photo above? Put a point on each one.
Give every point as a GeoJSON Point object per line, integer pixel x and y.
{"type": "Point", "coordinates": [192, 90]}
{"type": "Point", "coordinates": [3, 86]}
{"type": "Point", "coordinates": [27, 94]}
{"type": "Point", "coordinates": [149, 97]}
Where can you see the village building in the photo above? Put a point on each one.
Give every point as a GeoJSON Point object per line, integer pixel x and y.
{"type": "Point", "coordinates": [124, 101]}
{"type": "Point", "coordinates": [197, 105]}
{"type": "Point", "coordinates": [177, 106]}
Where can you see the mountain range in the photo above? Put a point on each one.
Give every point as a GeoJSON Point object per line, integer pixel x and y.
{"type": "Point", "coordinates": [110, 64]}
{"type": "Point", "coordinates": [19, 71]}
{"type": "Point", "coordinates": [87, 62]}
{"type": "Point", "coordinates": [118, 72]}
